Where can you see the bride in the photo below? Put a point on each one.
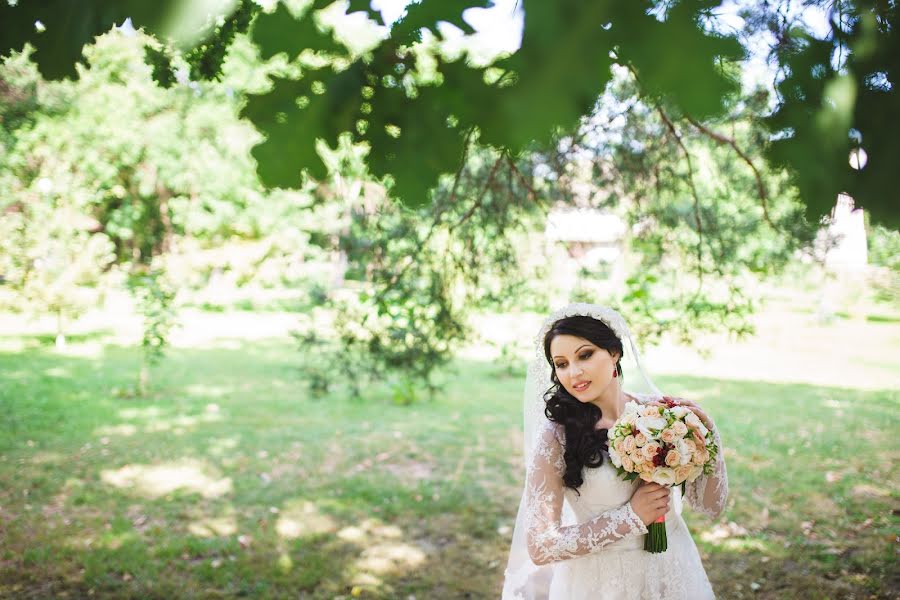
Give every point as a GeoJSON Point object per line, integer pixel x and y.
{"type": "Point", "coordinates": [580, 528]}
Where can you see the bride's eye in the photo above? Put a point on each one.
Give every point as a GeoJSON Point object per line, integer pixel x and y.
{"type": "Point", "coordinates": [586, 355]}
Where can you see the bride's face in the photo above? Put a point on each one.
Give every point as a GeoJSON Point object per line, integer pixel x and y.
{"type": "Point", "coordinates": [577, 362]}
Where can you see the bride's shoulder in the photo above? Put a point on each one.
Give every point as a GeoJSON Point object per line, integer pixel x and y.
{"type": "Point", "coordinates": [551, 429]}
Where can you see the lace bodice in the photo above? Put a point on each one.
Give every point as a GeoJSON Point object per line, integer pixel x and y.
{"type": "Point", "coordinates": [605, 517]}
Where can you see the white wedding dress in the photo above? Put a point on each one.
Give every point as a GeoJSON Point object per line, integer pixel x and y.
{"type": "Point", "coordinates": [600, 554]}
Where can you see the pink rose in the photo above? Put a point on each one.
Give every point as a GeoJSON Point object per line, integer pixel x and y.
{"type": "Point", "coordinates": [627, 464]}
{"type": "Point", "coordinates": [650, 450]}
{"type": "Point", "coordinates": [700, 457]}
{"type": "Point", "coordinates": [693, 420]}
{"type": "Point", "coordinates": [673, 458]}
{"type": "Point", "coordinates": [699, 437]}
{"type": "Point", "coordinates": [627, 444]}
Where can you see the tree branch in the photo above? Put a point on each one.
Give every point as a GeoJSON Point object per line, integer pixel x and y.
{"type": "Point", "coordinates": [760, 184]}
{"type": "Point", "coordinates": [514, 169]}
{"type": "Point", "coordinates": [478, 201]}
{"type": "Point", "coordinates": [671, 127]}
{"type": "Point", "coordinates": [441, 209]}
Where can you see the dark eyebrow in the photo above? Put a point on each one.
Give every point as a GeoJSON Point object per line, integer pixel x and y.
{"type": "Point", "coordinates": [576, 350]}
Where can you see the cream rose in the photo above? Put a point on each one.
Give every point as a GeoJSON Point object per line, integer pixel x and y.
{"type": "Point", "coordinates": [697, 472]}
{"type": "Point", "coordinates": [650, 450]}
{"type": "Point", "coordinates": [650, 411]}
{"type": "Point", "coordinates": [647, 477]}
{"type": "Point", "coordinates": [690, 446]}
{"type": "Point", "coordinates": [682, 472]}
{"type": "Point", "coordinates": [627, 444]}
{"type": "Point", "coordinates": [640, 440]}
{"type": "Point", "coordinates": [673, 458]}
{"type": "Point", "coordinates": [668, 435]}
{"type": "Point", "coordinates": [627, 464]}
{"type": "Point", "coordinates": [664, 476]}
{"type": "Point", "coordinates": [700, 457]}
{"type": "Point", "coordinates": [680, 428]}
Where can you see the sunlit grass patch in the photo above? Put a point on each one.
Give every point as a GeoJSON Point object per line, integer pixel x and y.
{"type": "Point", "coordinates": [230, 480]}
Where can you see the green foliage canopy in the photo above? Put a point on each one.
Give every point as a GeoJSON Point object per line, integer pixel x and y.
{"type": "Point", "coordinates": [414, 117]}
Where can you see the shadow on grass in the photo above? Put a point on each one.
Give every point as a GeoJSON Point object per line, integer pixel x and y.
{"type": "Point", "coordinates": [228, 481]}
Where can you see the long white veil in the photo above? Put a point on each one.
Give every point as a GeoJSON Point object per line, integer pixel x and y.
{"type": "Point", "coordinates": [523, 580]}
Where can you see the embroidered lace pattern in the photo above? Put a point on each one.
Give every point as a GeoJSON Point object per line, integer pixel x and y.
{"type": "Point", "coordinates": [548, 540]}
{"type": "Point", "coordinates": [708, 493]}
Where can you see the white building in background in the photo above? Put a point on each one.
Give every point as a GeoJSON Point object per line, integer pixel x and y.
{"type": "Point", "coordinates": [847, 229]}
{"type": "Point", "coordinates": [842, 249]}
{"type": "Point", "coordinates": [584, 237]}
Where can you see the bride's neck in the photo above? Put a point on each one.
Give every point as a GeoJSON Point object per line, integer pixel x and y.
{"type": "Point", "coordinates": [612, 407]}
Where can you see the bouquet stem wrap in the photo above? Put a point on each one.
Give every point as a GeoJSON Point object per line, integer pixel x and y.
{"type": "Point", "coordinates": [656, 540]}
{"type": "Point", "coordinates": [656, 536]}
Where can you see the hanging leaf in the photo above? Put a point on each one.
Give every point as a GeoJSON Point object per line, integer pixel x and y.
{"type": "Point", "coordinates": [425, 14]}
{"type": "Point", "coordinates": [296, 113]}
{"type": "Point", "coordinates": [366, 6]}
{"type": "Point", "coordinates": [281, 31]}
{"type": "Point", "coordinates": [676, 60]}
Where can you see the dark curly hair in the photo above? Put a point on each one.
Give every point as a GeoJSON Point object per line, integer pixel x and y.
{"type": "Point", "coordinates": [583, 442]}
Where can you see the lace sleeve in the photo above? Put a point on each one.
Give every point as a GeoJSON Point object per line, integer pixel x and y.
{"type": "Point", "coordinates": [548, 540]}
{"type": "Point", "coordinates": [708, 493]}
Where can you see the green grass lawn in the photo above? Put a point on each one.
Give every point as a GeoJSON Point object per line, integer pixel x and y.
{"type": "Point", "coordinates": [231, 481]}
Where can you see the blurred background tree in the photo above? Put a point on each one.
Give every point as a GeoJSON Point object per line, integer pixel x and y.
{"type": "Point", "coordinates": [640, 112]}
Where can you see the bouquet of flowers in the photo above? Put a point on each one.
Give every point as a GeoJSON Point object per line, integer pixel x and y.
{"type": "Point", "coordinates": [667, 444]}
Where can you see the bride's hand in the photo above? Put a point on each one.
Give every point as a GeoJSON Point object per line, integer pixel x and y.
{"type": "Point", "coordinates": [650, 501]}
